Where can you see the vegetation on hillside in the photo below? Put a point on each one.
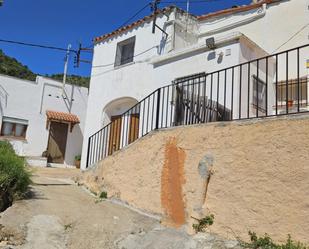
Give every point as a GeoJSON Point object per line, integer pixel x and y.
{"type": "Point", "coordinates": [265, 242]}
{"type": "Point", "coordinates": [14, 177]}
{"type": "Point", "coordinates": [10, 66]}
{"type": "Point", "coordinates": [72, 79]}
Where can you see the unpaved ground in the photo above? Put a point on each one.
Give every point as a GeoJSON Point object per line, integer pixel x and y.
{"type": "Point", "coordinates": [61, 215]}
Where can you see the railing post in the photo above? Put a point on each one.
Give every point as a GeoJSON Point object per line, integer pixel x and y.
{"type": "Point", "coordinates": [158, 109]}
{"type": "Point", "coordinates": [88, 153]}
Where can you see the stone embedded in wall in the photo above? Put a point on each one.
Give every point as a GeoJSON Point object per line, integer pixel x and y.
{"type": "Point", "coordinates": [172, 180]}
{"type": "Point", "coordinates": [204, 166]}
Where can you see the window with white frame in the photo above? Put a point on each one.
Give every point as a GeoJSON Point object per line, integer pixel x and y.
{"type": "Point", "coordinates": [259, 94]}
{"type": "Point", "coordinates": [14, 127]}
{"type": "Point", "coordinates": [125, 52]}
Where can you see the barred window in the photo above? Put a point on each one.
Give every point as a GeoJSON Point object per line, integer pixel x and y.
{"type": "Point", "coordinates": [294, 92]}
{"type": "Point", "coordinates": [125, 52]}
{"type": "Point", "coordinates": [259, 93]}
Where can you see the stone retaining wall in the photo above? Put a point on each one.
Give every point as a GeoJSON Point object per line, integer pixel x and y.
{"type": "Point", "coordinates": [252, 175]}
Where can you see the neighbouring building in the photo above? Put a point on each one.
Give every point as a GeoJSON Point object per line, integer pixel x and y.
{"type": "Point", "coordinates": [132, 62]}
{"type": "Point", "coordinates": [42, 120]}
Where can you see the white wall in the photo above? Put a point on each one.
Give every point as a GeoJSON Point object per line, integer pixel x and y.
{"type": "Point", "coordinates": [29, 100]}
{"type": "Point", "coordinates": [270, 29]}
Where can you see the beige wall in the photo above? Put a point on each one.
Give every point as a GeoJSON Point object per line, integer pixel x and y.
{"type": "Point", "coordinates": [252, 175]}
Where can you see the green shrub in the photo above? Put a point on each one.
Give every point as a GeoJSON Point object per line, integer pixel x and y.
{"type": "Point", "coordinates": [265, 242]}
{"type": "Point", "coordinates": [203, 223]}
{"type": "Point", "coordinates": [14, 177]}
{"type": "Point", "coordinates": [103, 195]}
{"type": "Point", "coordinates": [78, 158]}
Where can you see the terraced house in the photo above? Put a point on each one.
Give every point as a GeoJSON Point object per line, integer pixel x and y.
{"type": "Point", "coordinates": [43, 119]}
{"type": "Point", "coordinates": [173, 68]}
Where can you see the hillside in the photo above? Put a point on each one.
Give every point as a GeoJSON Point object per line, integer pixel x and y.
{"type": "Point", "coordinates": [10, 66]}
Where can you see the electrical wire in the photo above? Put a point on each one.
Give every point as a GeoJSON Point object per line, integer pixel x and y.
{"type": "Point", "coordinates": [135, 15]}
{"type": "Point", "coordinates": [112, 64]}
{"type": "Point", "coordinates": [185, 2]}
{"type": "Point", "coordinates": [37, 45]}
{"type": "Point", "coordinates": [299, 31]}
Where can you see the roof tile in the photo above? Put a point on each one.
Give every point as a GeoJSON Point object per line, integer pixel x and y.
{"type": "Point", "coordinates": [62, 117]}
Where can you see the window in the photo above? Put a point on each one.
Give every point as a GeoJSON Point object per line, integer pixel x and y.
{"type": "Point", "coordinates": [14, 127]}
{"type": "Point", "coordinates": [259, 94]}
{"type": "Point", "coordinates": [125, 52]}
{"type": "Point", "coordinates": [293, 91]}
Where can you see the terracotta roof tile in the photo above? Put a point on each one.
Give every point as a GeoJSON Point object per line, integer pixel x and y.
{"type": "Point", "coordinates": [132, 25]}
{"type": "Point", "coordinates": [62, 117]}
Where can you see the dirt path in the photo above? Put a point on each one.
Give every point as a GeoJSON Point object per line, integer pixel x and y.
{"type": "Point", "coordinates": [61, 215]}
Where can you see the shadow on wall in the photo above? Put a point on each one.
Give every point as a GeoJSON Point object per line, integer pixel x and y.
{"type": "Point", "coordinates": [117, 107]}
{"type": "Point", "coordinates": [74, 145]}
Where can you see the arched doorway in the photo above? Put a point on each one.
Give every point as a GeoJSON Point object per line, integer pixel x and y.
{"type": "Point", "coordinates": [123, 122]}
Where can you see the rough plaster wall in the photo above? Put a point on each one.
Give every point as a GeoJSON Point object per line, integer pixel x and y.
{"type": "Point", "coordinates": [255, 173]}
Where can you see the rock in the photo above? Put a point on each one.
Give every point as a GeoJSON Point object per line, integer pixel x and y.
{"type": "Point", "coordinates": [231, 244]}
{"type": "Point", "coordinates": [205, 165]}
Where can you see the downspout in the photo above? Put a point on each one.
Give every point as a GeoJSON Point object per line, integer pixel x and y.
{"type": "Point", "coordinates": [261, 12]}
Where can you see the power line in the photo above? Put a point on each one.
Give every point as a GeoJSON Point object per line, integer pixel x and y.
{"type": "Point", "coordinates": [135, 15]}
{"type": "Point", "coordinates": [37, 45]}
{"type": "Point", "coordinates": [299, 31]}
{"type": "Point", "coordinates": [139, 54]}
{"type": "Point", "coordinates": [185, 2]}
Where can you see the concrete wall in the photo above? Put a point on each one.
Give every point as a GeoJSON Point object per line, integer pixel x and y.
{"type": "Point", "coordinates": [29, 101]}
{"type": "Point", "coordinates": [252, 175]}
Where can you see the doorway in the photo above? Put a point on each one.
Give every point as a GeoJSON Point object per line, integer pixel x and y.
{"type": "Point", "coordinates": [134, 127]}
{"type": "Point", "coordinates": [114, 134]}
{"type": "Point", "coordinates": [57, 141]}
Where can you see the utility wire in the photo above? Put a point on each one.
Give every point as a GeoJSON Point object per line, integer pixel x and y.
{"type": "Point", "coordinates": [37, 45]}
{"type": "Point", "coordinates": [135, 15]}
{"type": "Point", "coordinates": [112, 64]}
{"type": "Point", "coordinates": [299, 31]}
{"type": "Point", "coordinates": [185, 2]}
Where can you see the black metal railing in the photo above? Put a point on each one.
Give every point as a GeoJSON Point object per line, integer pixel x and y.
{"type": "Point", "coordinates": [272, 85]}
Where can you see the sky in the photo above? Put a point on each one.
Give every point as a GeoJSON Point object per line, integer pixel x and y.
{"type": "Point", "coordinates": [62, 22]}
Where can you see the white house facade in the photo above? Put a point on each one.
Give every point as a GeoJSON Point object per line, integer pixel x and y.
{"type": "Point", "coordinates": [43, 122]}
{"type": "Point", "coordinates": [132, 62]}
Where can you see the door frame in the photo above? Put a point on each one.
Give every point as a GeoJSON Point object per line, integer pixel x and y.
{"type": "Point", "coordinates": [114, 127]}
{"type": "Point", "coordinates": [65, 150]}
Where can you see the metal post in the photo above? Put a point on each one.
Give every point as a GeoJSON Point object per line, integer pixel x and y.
{"type": "Point", "coordinates": [158, 108]}
{"type": "Point", "coordinates": [88, 153]}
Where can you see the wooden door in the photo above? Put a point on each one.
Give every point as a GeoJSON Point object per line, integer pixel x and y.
{"type": "Point", "coordinates": [134, 125]}
{"type": "Point", "coordinates": [114, 134]}
{"type": "Point", "coordinates": [57, 141]}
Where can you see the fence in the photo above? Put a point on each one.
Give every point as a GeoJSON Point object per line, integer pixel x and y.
{"type": "Point", "coordinates": [269, 86]}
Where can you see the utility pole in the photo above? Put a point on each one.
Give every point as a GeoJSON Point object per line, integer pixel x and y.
{"type": "Point", "coordinates": [188, 9]}
{"type": "Point", "coordinates": [66, 61]}
{"type": "Point", "coordinates": [154, 8]}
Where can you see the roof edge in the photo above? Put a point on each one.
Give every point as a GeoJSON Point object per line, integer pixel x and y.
{"type": "Point", "coordinates": [236, 10]}
{"type": "Point", "coordinates": [134, 24]}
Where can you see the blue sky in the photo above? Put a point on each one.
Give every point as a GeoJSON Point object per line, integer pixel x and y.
{"type": "Point", "coordinates": [60, 22]}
